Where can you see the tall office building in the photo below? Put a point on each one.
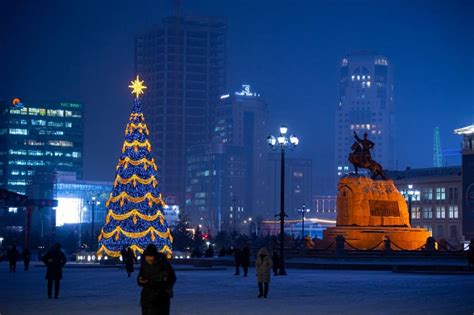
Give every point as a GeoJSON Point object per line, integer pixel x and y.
{"type": "Point", "coordinates": [365, 105]}
{"type": "Point", "coordinates": [241, 120]}
{"type": "Point", "coordinates": [226, 179]}
{"type": "Point", "coordinates": [183, 63]}
{"type": "Point", "coordinates": [37, 139]}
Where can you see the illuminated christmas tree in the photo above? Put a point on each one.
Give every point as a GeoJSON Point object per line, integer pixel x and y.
{"type": "Point", "coordinates": [135, 206]}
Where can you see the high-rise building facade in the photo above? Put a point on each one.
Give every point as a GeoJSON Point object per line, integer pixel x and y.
{"type": "Point", "coordinates": [365, 105]}
{"type": "Point", "coordinates": [226, 179]}
{"type": "Point", "coordinates": [39, 138]}
{"type": "Point", "coordinates": [183, 63]}
{"type": "Point", "coordinates": [242, 120]}
{"type": "Point", "coordinates": [298, 185]}
{"type": "Point", "coordinates": [215, 186]}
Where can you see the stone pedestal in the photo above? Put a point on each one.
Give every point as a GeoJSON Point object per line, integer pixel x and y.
{"type": "Point", "coordinates": [370, 211]}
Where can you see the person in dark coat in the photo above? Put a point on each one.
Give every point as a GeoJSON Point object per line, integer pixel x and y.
{"type": "Point", "coordinates": [54, 261]}
{"type": "Point", "coordinates": [276, 262]}
{"type": "Point", "coordinates": [245, 259]}
{"type": "Point", "coordinates": [26, 254]}
{"type": "Point", "coordinates": [237, 260]}
{"type": "Point", "coordinates": [130, 259]}
{"type": "Point", "coordinates": [12, 258]}
{"type": "Point", "coordinates": [157, 278]}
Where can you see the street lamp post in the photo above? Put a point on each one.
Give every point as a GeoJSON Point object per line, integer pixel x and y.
{"type": "Point", "coordinates": [303, 210]}
{"type": "Point", "coordinates": [93, 203]}
{"type": "Point", "coordinates": [409, 194]}
{"type": "Point", "coordinates": [282, 142]}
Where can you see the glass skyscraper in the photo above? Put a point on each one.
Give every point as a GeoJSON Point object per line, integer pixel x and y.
{"type": "Point", "coordinates": [365, 105]}
{"type": "Point", "coordinates": [37, 140]}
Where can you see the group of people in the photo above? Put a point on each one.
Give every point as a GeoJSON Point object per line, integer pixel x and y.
{"type": "Point", "coordinates": [263, 264]}
{"type": "Point", "coordinates": [13, 256]}
{"type": "Point", "coordinates": [54, 261]}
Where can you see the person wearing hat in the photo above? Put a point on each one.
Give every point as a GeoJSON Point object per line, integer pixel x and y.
{"type": "Point", "coordinates": [157, 278]}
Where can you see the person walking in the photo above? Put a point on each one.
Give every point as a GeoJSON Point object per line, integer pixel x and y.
{"type": "Point", "coordinates": [26, 254]}
{"type": "Point", "coordinates": [276, 262]}
{"type": "Point", "coordinates": [130, 259]}
{"type": "Point", "coordinates": [12, 258]}
{"type": "Point", "coordinates": [237, 260]}
{"type": "Point", "coordinates": [245, 260]}
{"type": "Point", "coordinates": [54, 261]}
{"type": "Point", "coordinates": [263, 264]}
{"type": "Point", "coordinates": [157, 278]}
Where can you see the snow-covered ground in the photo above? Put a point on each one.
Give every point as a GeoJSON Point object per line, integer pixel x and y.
{"type": "Point", "coordinates": [109, 291]}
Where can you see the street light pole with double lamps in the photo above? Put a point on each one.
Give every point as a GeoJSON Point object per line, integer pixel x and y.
{"type": "Point", "coordinates": [303, 211]}
{"type": "Point", "coordinates": [282, 142]}
{"type": "Point", "coordinates": [409, 194]}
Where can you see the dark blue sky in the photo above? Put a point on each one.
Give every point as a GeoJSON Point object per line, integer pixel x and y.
{"type": "Point", "coordinates": [289, 51]}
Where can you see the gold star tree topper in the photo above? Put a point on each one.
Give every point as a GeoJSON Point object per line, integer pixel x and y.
{"type": "Point", "coordinates": [137, 86]}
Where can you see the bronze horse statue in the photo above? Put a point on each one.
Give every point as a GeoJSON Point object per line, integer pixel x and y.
{"type": "Point", "coordinates": [360, 159]}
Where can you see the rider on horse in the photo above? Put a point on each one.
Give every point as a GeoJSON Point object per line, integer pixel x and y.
{"type": "Point", "coordinates": [362, 157]}
{"type": "Point", "coordinates": [367, 145]}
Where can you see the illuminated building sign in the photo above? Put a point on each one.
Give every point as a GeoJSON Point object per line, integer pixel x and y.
{"type": "Point", "coordinates": [246, 91]}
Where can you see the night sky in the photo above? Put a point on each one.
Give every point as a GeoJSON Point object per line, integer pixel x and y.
{"type": "Point", "coordinates": [289, 51]}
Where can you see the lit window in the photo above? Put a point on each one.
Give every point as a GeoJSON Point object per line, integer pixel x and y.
{"type": "Point", "coordinates": [415, 213]}
{"type": "Point", "coordinates": [60, 143]}
{"type": "Point", "coordinates": [55, 112]}
{"type": "Point", "coordinates": [453, 212]}
{"type": "Point", "coordinates": [34, 142]}
{"type": "Point", "coordinates": [36, 122]}
{"type": "Point", "coordinates": [440, 212]}
{"type": "Point", "coordinates": [55, 124]}
{"type": "Point", "coordinates": [16, 152]}
{"type": "Point", "coordinates": [17, 131]}
{"type": "Point", "coordinates": [427, 194]}
{"type": "Point", "coordinates": [35, 152]}
{"type": "Point", "coordinates": [427, 213]}
{"type": "Point", "coordinates": [440, 193]}
{"type": "Point", "coordinates": [36, 111]}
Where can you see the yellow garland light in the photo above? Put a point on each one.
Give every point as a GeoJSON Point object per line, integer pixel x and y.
{"type": "Point", "coordinates": [135, 178]}
{"type": "Point", "coordinates": [151, 230]}
{"type": "Point", "coordinates": [112, 253]}
{"type": "Point", "coordinates": [140, 126]}
{"type": "Point", "coordinates": [135, 213]}
{"type": "Point", "coordinates": [127, 160]}
{"type": "Point", "coordinates": [123, 195]}
{"type": "Point", "coordinates": [135, 144]}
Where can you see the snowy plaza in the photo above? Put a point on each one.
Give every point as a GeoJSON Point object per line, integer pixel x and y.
{"type": "Point", "coordinates": [218, 291]}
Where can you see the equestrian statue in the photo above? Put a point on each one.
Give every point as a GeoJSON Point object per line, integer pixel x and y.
{"type": "Point", "coordinates": [361, 157]}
